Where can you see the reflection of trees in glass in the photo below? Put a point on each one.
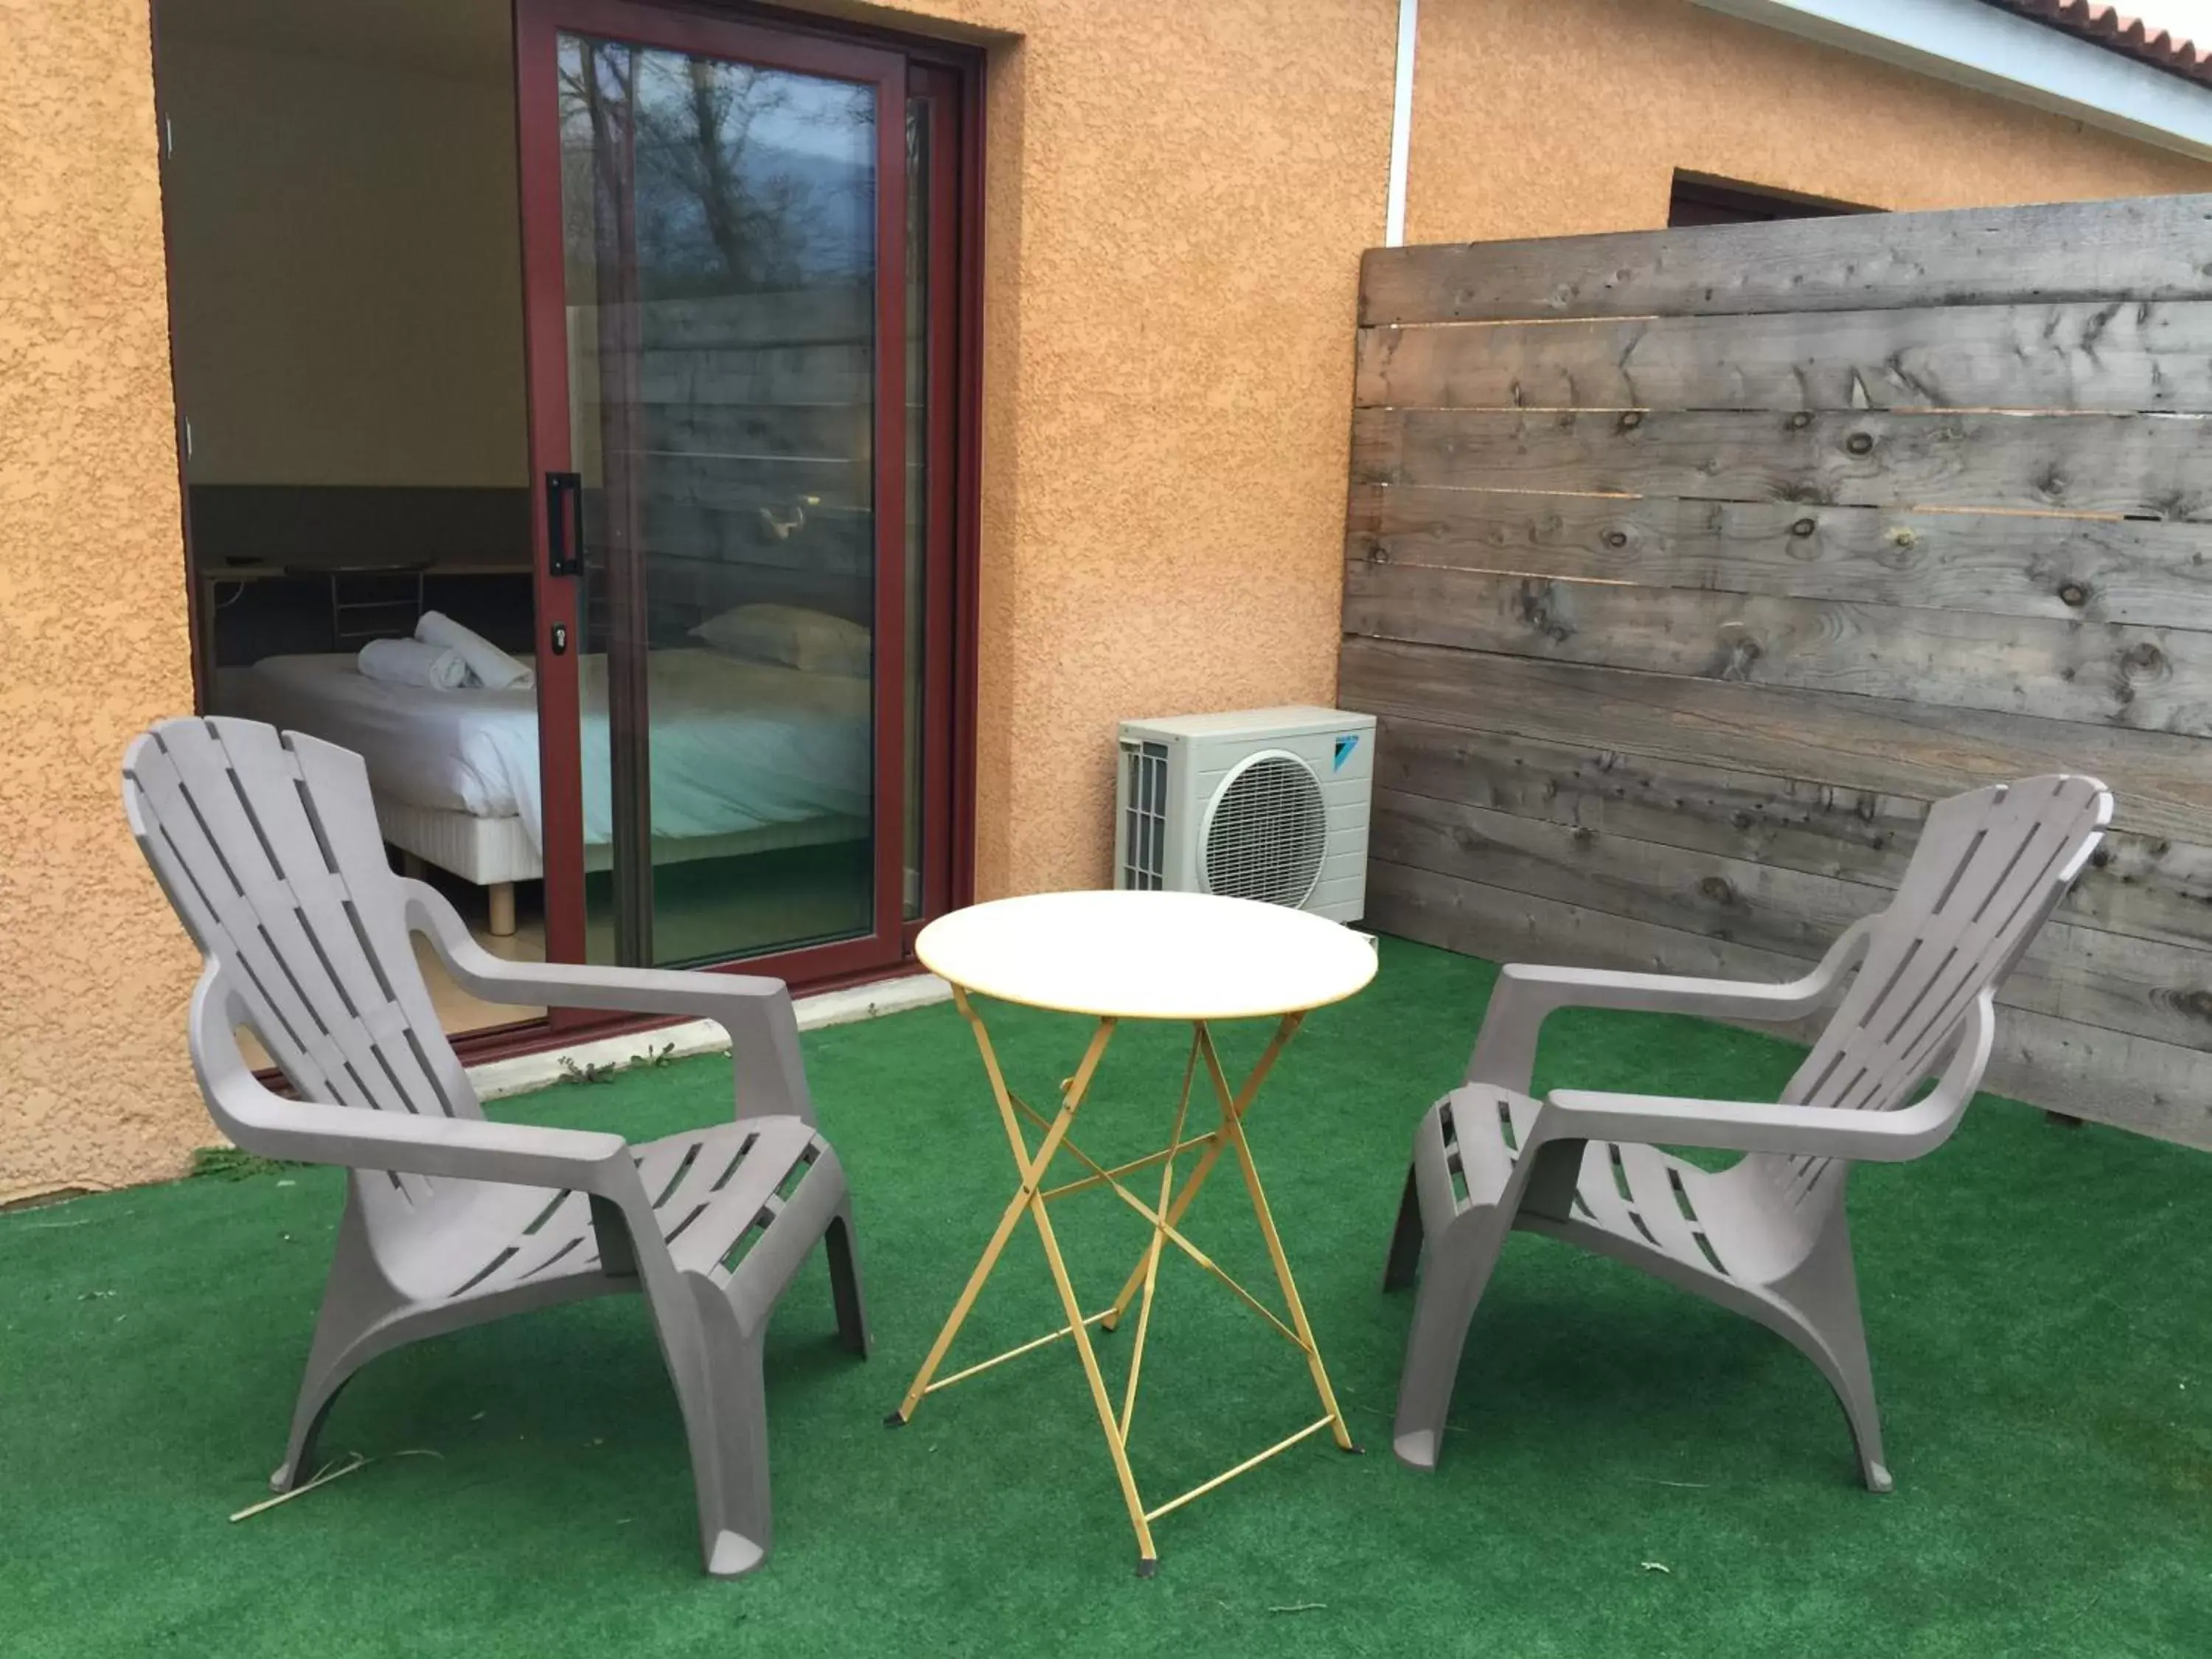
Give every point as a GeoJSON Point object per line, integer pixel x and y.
{"type": "Point", "coordinates": [738, 178]}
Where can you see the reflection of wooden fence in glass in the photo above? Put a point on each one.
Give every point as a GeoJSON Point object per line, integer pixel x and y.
{"type": "Point", "coordinates": [754, 450]}
{"type": "Point", "coordinates": [1684, 569]}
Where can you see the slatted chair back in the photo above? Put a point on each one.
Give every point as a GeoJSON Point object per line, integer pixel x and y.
{"type": "Point", "coordinates": [1990, 866]}
{"type": "Point", "coordinates": [267, 845]}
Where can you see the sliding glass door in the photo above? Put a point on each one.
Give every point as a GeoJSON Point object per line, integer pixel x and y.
{"type": "Point", "coordinates": [740, 328]}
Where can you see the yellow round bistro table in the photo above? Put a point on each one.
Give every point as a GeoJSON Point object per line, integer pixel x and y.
{"type": "Point", "coordinates": [1122, 955]}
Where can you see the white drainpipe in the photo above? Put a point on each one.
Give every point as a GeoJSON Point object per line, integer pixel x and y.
{"type": "Point", "coordinates": [1402, 124]}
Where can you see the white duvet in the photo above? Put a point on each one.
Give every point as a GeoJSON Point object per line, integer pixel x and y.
{"type": "Point", "coordinates": [736, 746]}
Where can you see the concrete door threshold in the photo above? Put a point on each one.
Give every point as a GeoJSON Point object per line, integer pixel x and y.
{"type": "Point", "coordinates": [524, 1072]}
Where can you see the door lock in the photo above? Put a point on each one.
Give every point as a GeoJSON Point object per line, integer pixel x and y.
{"type": "Point", "coordinates": [560, 639]}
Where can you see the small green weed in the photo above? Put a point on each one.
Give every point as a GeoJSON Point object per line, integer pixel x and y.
{"type": "Point", "coordinates": [233, 1164]}
{"type": "Point", "coordinates": [604, 1071]}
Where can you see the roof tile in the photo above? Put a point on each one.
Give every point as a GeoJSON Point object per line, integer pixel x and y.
{"type": "Point", "coordinates": [2113, 30]}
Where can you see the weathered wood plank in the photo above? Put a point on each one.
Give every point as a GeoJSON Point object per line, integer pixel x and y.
{"type": "Point", "coordinates": [1493, 923]}
{"type": "Point", "coordinates": [2147, 679]}
{"type": "Point", "coordinates": [1857, 834]}
{"type": "Point", "coordinates": [2007, 564]}
{"type": "Point", "coordinates": [1732, 901]}
{"type": "Point", "coordinates": [2106, 1076]}
{"type": "Point", "coordinates": [2144, 986]}
{"type": "Point", "coordinates": [2144, 465]}
{"type": "Point", "coordinates": [2141, 886]}
{"type": "Point", "coordinates": [747, 484]}
{"type": "Point", "coordinates": [2151, 248]}
{"type": "Point", "coordinates": [2150, 356]}
{"type": "Point", "coordinates": [808, 316]}
{"type": "Point", "coordinates": [2109, 1077]}
{"type": "Point", "coordinates": [2162, 784]}
{"type": "Point", "coordinates": [837, 543]}
{"type": "Point", "coordinates": [838, 376]}
{"type": "Point", "coordinates": [752, 431]}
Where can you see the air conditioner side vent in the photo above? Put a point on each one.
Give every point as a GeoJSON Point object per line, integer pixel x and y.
{"type": "Point", "coordinates": [1145, 815]}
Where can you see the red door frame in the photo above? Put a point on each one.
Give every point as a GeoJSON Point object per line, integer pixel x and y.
{"type": "Point", "coordinates": [944, 714]}
{"type": "Point", "coordinates": [948, 78]}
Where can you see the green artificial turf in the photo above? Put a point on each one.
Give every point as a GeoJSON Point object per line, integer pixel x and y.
{"type": "Point", "coordinates": [2037, 1300]}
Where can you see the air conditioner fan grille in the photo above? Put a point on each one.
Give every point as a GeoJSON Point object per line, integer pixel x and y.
{"type": "Point", "coordinates": [1266, 832]}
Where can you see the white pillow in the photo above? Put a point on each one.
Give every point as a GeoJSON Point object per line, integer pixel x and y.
{"type": "Point", "coordinates": [793, 636]}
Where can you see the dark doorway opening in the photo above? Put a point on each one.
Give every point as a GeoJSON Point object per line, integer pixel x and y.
{"type": "Point", "coordinates": [1700, 199]}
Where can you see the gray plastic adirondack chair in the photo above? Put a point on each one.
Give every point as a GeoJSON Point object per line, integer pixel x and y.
{"type": "Point", "coordinates": [268, 848]}
{"type": "Point", "coordinates": [1766, 1236]}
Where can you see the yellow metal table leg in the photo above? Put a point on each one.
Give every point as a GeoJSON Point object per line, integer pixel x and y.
{"type": "Point", "coordinates": [1233, 1122]}
{"type": "Point", "coordinates": [1175, 1214]}
{"type": "Point", "coordinates": [1032, 1173]}
{"type": "Point", "coordinates": [1148, 1557]}
{"type": "Point", "coordinates": [1152, 1264]}
{"type": "Point", "coordinates": [1284, 1033]}
{"type": "Point", "coordinates": [1032, 1197]}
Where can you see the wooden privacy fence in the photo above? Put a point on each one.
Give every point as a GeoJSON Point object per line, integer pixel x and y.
{"type": "Point", "coordinates": [753, 457]}
{"type": "Point", "coordinates": [1683, 569]}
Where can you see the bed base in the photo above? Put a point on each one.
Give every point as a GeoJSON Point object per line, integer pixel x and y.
{"type": "Point", "coordinates": [494, 853]}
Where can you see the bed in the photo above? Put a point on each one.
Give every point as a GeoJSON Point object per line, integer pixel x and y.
{"type": "Point", "coordinates": [746, 758]}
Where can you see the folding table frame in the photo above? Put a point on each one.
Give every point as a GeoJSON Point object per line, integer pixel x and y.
{"type": "Point", "coordinates": [1032, 1197]}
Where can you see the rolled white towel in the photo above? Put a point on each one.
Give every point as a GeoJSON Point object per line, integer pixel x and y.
{"type": "Point", "coordinates": [413, 662]}
{"type": "Point", "coordinates": [488, 665]}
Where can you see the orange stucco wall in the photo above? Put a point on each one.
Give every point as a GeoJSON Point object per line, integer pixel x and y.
{"type": "Point", "coordinates": [1176, 200]}
{"type": "Point", "coordinates": [1177, 196]}
{"type": "Point", "coordinates": [1549, 118]}
{"type": "Point", "coordinates": [94, 1083]}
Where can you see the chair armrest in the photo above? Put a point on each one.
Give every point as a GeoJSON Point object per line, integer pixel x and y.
{"type": "Point", "coordinates": [756, 1011]}
{"type": "Point", "coordinates": [407, 1143]}
{"type": "Point", "coordinates": [1909, 1132]}
{"type": "Point", "coordinates": [1504, 1054]}
{"type": "Point", "coordinates": [1735, 1126]}
{"type": "Point", "coordinates": [635, 990]}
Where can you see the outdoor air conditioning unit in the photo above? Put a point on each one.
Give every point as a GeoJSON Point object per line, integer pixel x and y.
{"type": "Point", "coordinates": [1266, 803]}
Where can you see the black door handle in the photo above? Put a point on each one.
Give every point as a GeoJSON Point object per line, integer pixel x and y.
{"type": "Point", "coordinates": [564, 523]}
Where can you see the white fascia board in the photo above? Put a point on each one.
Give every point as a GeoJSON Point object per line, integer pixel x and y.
{"type": "Point", "coordinates": [1979, 45]}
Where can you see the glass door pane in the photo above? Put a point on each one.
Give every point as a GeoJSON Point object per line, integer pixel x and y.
{"type": "Point", "coordinates": [720, 264]}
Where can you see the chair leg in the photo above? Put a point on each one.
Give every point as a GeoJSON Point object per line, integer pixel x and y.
{"type": "Point", "coordinates": [716, 1369]}
{"type": "Point", "coordinates": [318, 1388]}
{"type": "Point", "coordinates": [1459, 1266]}
{"type": "Point", "coordinates": [349, 1332]}
{"type": "Point", "coordinates": [845, 1281]}
{"type": "Point", "coordinates": [1853, 1380]}
{"type": "Point", "coordinates": [1405, 1258]}
{"type": "Point", "coordinates": [1821, 1301]}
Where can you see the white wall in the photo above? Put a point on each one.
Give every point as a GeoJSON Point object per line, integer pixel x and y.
{"type": "Point", "coordinates": [345, 269]}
